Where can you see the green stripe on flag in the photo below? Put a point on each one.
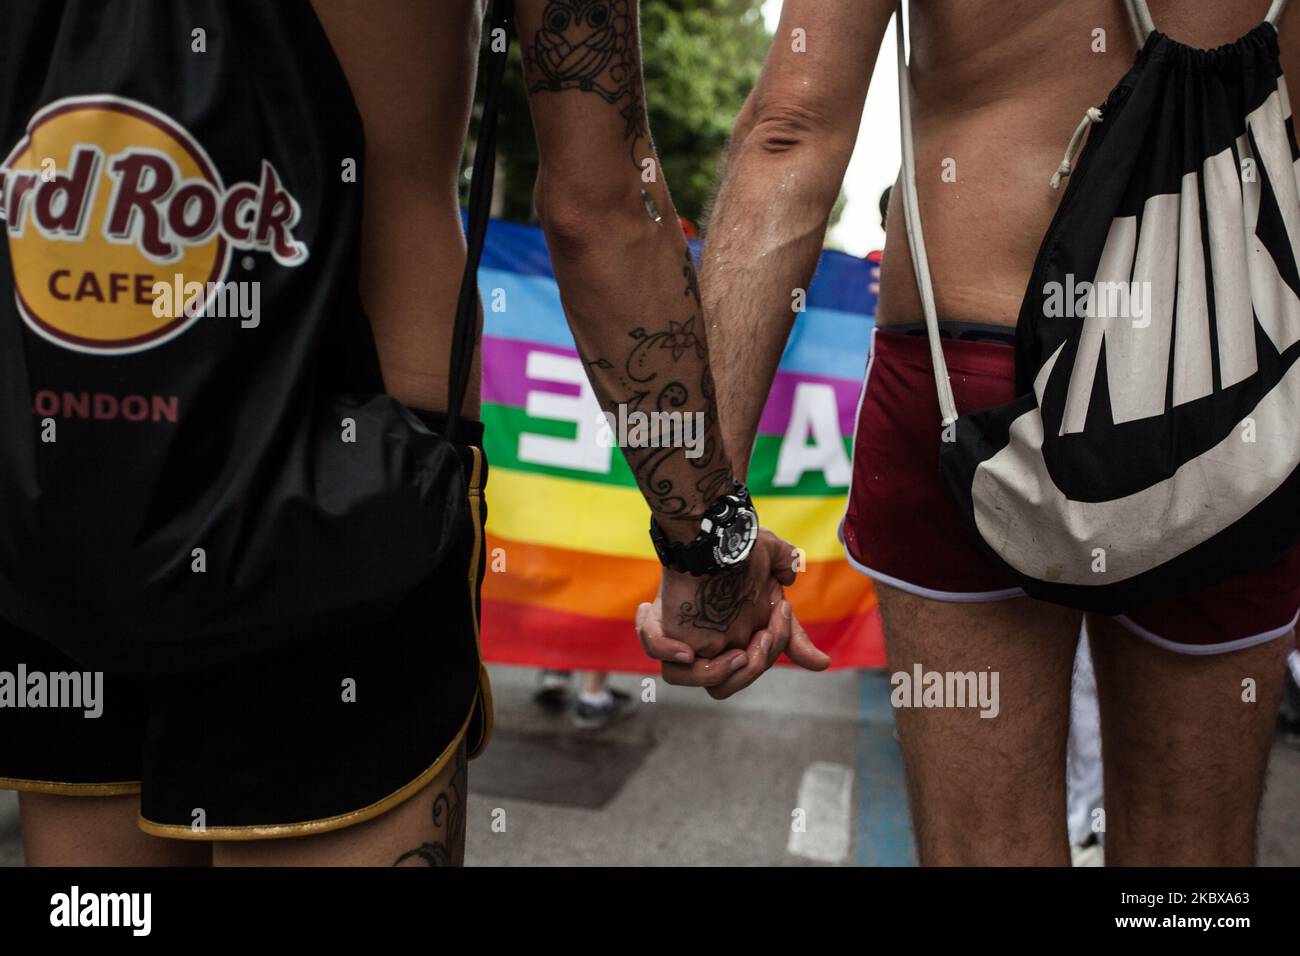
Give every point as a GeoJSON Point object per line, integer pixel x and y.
{"type": "Point", "coordinates": [505, 423]}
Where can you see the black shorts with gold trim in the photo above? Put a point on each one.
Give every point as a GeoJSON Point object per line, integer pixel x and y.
{"type": "Point", "coordinates": [300, 741]}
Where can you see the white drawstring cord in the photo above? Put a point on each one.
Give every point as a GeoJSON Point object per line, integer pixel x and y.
{"type": "Point", "coordinates": [1076, 144]}
{"type": "Point", "coordinates": [1139, 15]}
{"type": "Point", "coordinates": [915, 236]}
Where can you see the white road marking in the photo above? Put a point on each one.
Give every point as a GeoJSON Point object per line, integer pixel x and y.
{"type": "Point", "coordinates": [825, 796]}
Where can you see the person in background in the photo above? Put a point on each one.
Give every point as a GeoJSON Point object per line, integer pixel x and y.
{"type": "Point", "coordinates": [877, 256]}
{"type": "Point", "coordinates": [597, 706]}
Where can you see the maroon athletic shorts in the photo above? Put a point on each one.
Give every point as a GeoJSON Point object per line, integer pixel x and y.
{"type": "Point", "coordinates": [903, 529]}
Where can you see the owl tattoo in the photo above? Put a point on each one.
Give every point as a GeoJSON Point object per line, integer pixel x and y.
{"type": "Point", "coordinates": [584, 45]}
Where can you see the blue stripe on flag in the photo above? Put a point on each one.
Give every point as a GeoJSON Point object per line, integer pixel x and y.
{"type": "Point", "coordinates": [824, 341]}
{"type": "Point", "coordinates": [842, 282]}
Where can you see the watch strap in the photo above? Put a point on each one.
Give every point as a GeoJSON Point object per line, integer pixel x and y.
{"type": "Point", "coordinates": [696, 556]}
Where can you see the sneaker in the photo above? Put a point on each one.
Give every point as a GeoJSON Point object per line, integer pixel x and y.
{"type": "Point", "coordinates": [595, 716]}
{"type": "Point", "coordinates": [553, 688]}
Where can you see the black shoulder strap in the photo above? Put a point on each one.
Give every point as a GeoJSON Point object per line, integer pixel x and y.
{"type": "Point", "coordinates": [501, 17]}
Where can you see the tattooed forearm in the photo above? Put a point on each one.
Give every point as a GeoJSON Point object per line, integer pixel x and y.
{"type": "Point", "coordinates": [644, 379]}
{"type": "Point", "coordinates": [633, 299]}
{"type": "Point", "coordinates": [448, 817]}
{"type": "Point", "coordinates": [719, 599]}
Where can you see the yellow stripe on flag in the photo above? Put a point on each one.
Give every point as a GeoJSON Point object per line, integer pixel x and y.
{"type": "Point", "coordinates": [606, 519]}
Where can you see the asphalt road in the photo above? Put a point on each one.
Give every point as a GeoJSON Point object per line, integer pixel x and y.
{"type": "Point", "coordinates": [686, 781]}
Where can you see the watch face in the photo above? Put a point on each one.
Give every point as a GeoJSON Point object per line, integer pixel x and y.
{"type": "Point", "coordinates": [736, 539]}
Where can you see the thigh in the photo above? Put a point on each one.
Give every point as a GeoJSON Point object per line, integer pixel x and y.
{"type": "Point", "coordinates": [986, 790]}
{"type": "Point", "coordinates": [426, 830]}
{"type": "Point", "coordinates": [1185, 742]}
{"type": "Point", "coordinates": [97, 831]}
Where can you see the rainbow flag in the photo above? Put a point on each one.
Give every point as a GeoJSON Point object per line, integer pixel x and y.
{"type": "Point", "coordinates": [569, 557]}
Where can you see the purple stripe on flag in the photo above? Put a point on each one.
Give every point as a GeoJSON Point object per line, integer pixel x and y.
{"type": "Point", "coordinates": [505, 366]}
{"type": "Point", "coordinates": [506, 382]}
{"type": "Point", "coordinates": [780, 404]}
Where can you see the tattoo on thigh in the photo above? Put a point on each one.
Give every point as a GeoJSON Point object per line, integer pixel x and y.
{"type": "Point", "coordinates": [719, 599]}
{"type": "Point", "coordinates": [448, 846]}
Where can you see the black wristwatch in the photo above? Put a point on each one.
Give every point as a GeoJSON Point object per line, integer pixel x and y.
{"type": "Point", "coordinates": [728, 531]}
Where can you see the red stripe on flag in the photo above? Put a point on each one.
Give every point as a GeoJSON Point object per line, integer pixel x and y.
{"type": "Point", "coordinates": [540, 637]}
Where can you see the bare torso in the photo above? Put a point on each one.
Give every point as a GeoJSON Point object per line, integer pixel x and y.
{"type": "Point", "coordinates": [1000, 86]}
{"type": "Point", "coordinates": [411, 66]}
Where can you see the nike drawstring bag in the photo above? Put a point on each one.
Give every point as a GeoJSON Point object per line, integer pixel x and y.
{"type": "Point", "coordinates": [1154, 448]}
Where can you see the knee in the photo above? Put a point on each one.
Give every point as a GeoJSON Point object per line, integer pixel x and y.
{"type": "Point", "coordinates": [1017, 827]}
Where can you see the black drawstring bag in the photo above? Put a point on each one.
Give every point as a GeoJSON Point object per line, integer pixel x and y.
{"type": "Point", "coordinates": [179, 489]}
{"type": "Point", "coordinates": [1155, 445]}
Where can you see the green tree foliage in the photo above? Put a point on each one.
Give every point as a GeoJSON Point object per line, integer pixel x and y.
{"type": "Point", "coordinates": [701, 58]}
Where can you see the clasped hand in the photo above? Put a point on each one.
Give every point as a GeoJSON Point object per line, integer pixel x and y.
{"type": "Point", "coordinates": [724, 631]}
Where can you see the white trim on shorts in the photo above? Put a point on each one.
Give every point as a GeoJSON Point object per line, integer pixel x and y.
{"type": "Point", "coordinates": [947, 597]}
{"type": "Point", "coordinates": [1240, 644]}
{"type": "Point", "coordinates": [990, 597]}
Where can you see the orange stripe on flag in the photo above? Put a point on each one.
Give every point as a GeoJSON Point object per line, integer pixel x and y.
{"type": "Point", "coordinates": [610, 587]}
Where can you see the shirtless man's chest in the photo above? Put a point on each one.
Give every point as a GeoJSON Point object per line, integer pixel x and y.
{"type": "Point", "coordinates": [999, 87]}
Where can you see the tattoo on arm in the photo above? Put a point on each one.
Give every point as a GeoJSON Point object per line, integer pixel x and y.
{"type": "Point", "coordinates": [719, 599]}
{"type": "Point", "coordinates": [639, 380]}
{"type": "Point", "coordinates": [448, 845]}
{"type": "Point", "coordinates": [591, 46]}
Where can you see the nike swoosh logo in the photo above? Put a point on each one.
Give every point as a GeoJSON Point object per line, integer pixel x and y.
{"type": "Point", "coordinates": [1041, 533]}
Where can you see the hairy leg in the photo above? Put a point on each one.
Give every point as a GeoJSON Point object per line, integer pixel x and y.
{"type": "Point", "coordinates": [97, 831]}
{"type": "Point", "coordinates": [426, 830]}
{"type": "Point", "coordinates": [986, 791]}
{"type": "Point", "coordinates": [1184, 749]}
